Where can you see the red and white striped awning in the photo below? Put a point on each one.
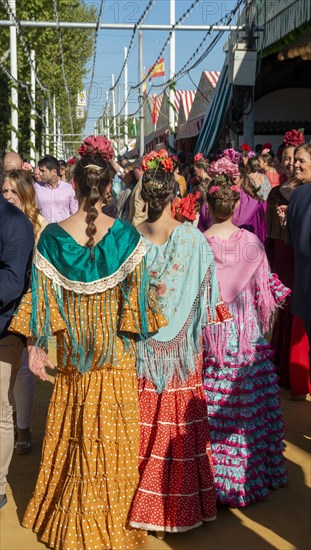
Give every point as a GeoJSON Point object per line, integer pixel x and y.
{"type": "Point", "coordinates": [186, 98]}
{"type": "Point", "coordinates": [212, 77]}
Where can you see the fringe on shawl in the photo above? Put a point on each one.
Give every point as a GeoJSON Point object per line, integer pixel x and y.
{"type": "Point", "coordinates": [161, 362]}
{"type": "Point", "coordinates": [262, 295]}
{"type": "Point", "coordinates": [70, 305]}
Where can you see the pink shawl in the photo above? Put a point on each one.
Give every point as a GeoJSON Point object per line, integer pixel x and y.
{"type": "Point", "coordinates": [237, 259]}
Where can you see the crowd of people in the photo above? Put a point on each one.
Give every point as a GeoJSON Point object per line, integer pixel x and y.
{"type": "Point", "coordinates": [179, 304]}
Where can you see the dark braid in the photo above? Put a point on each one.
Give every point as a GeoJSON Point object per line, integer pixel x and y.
{"type": "Point", "coordinates": [158, 189]}
{"type": "Point", "coordinates": [92, 175]}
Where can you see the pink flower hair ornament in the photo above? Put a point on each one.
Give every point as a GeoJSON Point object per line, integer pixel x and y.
{"type": "Point", "coordinates": [213, 189]}
{"type": "Point", "coordinates": [233, 155]}
{"type": "Point", "coordinates": [223, 166]}
{"type": "Point", "coordinates": [199, 156]}
{"type": "Point", "coordinates": [27, 167]}
{"type": "Point", "coordinates": [235, 188]}
{"type": "Point", "coordinates": [97, 145]}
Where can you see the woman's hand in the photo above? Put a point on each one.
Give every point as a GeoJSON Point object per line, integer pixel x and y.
{"type": "Point", "coordinates": [38, 361]}
{"type": "Point", "coordinates": [282, 213]}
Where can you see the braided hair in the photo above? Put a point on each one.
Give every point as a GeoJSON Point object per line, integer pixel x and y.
{"type": "Point", "coordinates": [92, 176]}
{"type": "Point", "coordinates": [159, 188]}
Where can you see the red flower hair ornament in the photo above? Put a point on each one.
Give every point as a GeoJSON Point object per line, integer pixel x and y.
{"type": "Point", "coordinates": [266, 148]}
{"type": "Point", "coordinates": [199, 156]}
{"type": "Point", "coordinates": [97, 145]}
{"type": "Point", "coordinates": [72, 160]}
{"type": "Point", "coordinates": [245, 147]}
{"type": "Point", "coordinates": [157, 159]}
{"type": "Point", "coordinates": [187, 206]}
{"type": "Point", "coordinates": [293, 138]}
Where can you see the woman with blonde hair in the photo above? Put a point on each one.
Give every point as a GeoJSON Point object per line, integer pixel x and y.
{"type": "Point", "coordinates": [18, 189]}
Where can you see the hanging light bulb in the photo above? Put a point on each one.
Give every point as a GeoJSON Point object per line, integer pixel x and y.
{"type": "Point", "coordinates": [281, 56]}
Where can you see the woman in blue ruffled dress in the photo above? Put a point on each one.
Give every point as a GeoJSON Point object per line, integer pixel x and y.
{"type": "Point", "coordinates": [239, 378]}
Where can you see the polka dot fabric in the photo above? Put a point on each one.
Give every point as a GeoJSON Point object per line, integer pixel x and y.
{"type": "Point", "coordinates": [176, 490]}
{"type": "Point", "coordinates": [89, 466]}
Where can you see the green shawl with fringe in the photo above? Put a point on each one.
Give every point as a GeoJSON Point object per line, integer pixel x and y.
{"type": "Point", "coordinates": [60, 260]}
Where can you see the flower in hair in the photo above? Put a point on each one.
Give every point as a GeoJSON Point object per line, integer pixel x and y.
{"type": "Point", "coordinates": [213, 189]}
{"type": "Point", "coordinates": [245, 147]}
{"type": "Point", "coordinates": [293, 138]}
{"type": "Point", "coordinates": [246, 151]}
{"type": "Point", "coordinates": [72, 160]}
{"type": "Point", "coordinates": [266, 148]}
{"type": "Point", "coordinates": [97, 145]}
{"type": "Point", "coordinates": [251, 154]}
{"type": "Point", "coordinates": [167, 165]}
{"type": "Point", "coordinates": [223, 166]}
{"type": "Point", "coordinates": [157, 159]}
{"type": "Point", "coordinates": [235, 188]}
{"type": "Point", "coordinates": [233, 155]}
{"type": "Point", "coordinates": [198, 157]}
{"type": "Point", "coordinates": [163, 153]}
{"type": "Point", "coordinates": [187, 207]}
{"type": "Point", "coordinates": [27, 167]}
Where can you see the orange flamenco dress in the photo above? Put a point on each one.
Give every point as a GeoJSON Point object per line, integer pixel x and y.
{"type": "Point", "coordinates": [89, 466]}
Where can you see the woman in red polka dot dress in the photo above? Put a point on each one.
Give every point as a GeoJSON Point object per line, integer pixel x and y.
{"type": "Point", "coordinates": [176, 489]}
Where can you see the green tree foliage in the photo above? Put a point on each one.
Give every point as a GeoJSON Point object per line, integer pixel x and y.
{"type": "Point", "coordinates": [77, 48]}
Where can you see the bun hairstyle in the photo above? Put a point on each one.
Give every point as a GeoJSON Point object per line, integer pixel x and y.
{"type": "Point", "coordinates": [202, 164]}
{"type": "Point", "coordinates": [222, 196]}
{"type": "Point", "coordinates": [92, 175]}
{"type": "Point", "coordinates": [158, 190]}
{"type": "Point", "coordinates": [267, 157]}
{"type": "Point", "coordinates": [252, 165]}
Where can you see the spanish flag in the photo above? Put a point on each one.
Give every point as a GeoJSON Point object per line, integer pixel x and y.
{"type": "Point", "coordinates": [157, 70]}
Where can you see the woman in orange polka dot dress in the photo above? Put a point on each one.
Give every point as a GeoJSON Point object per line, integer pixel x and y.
{"type": "Point", "coordinates": [176, 490]}
{"type": "Point", "coordinates": [90, 289]}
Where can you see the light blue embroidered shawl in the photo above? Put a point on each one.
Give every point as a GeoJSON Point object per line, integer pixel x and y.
{"type": "Point", "coordinates": [183, 275]}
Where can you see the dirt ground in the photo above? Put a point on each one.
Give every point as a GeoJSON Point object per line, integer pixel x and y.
{"type": "Point", "coordinates": [282, 521]}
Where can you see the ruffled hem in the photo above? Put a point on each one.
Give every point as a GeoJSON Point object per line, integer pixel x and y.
{"type": "Point", "coordinates": [101, 530]}
{"type": "Point", "coordinates": [172, 512]}
{"type": "Point", "coordinates": [246, 430]}
{"type": "Point", "coordinates": [169, 528]}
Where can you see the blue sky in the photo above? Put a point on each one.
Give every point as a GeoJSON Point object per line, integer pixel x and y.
{"type": "Point", "coordinates": [110, 47]}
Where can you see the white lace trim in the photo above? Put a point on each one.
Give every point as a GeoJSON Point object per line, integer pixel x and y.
{"type": "Point", "coordinates": [100, 285]}
{"type": "Point", "coordinates": [166, 528]}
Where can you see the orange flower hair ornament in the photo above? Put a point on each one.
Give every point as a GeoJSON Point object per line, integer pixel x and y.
{"type": "Point", "coordinates": [157, 159]}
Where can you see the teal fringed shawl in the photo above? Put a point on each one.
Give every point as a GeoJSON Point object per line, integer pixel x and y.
{"type": "Point", "coordinates": [183, 275]}
{"type": "Point", "coordinates": [65, 265]}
